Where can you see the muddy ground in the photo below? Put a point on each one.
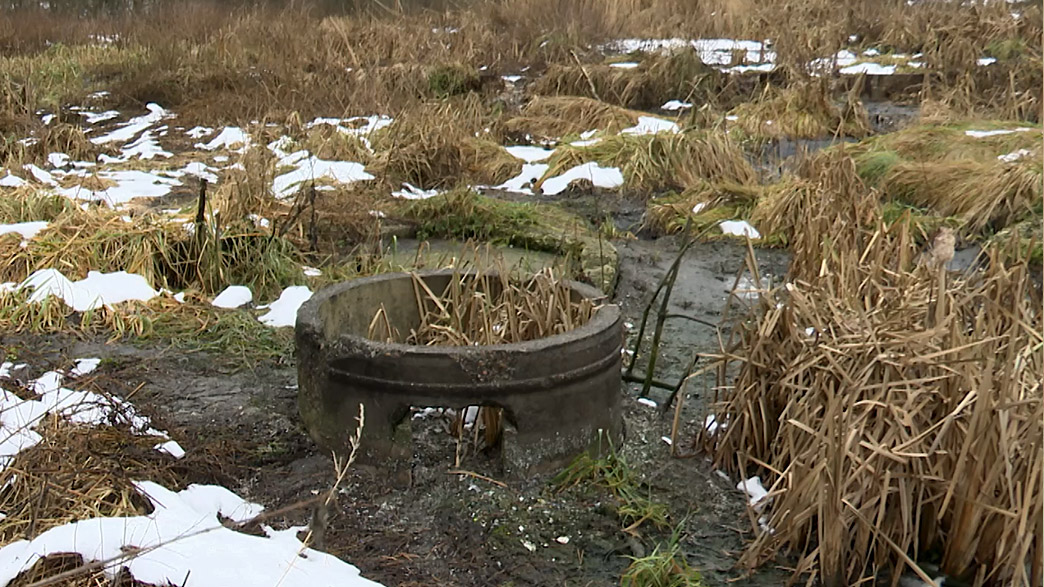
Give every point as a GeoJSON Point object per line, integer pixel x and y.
{"type": "Point", "coordinates": [448, 529]}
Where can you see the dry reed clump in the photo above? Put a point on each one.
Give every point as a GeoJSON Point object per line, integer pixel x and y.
{"type": "Point", "coordinates": [983, 196]}
{"type": "Point", "coordinates": [943, 170]}
{"type": "Point", "coordinates": [706, 203]}
{"type": "Point", "coordinates": [159, 249]}
{"type": "Point", "coordinates": [894, 411]}
{"type": "Point", "coordinates": [679, 75]}
{"type": "Point", "coordinates": [28, 204]}
{"type": "Point", "coordinates": [940, 141]}
{"type": "Point", "coordinates": [75, 573]}
{"type": "Point", "coordinates": [441, 145]}
{"type": "Point", "coordinates": [800, 111]}
{"type": "Point", "coordinates": [551, 118]}
{"type": "Point", "coordinates": [42, 140]}
{"type": "Point", "coordinates": [660, 162]}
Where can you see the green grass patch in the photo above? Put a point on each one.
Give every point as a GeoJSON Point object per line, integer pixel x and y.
{"type": "Point", "coordinates": [665, 567]}
{"type": "Point", "coordinates": [463, 214]}
{"type": "Point", "coordinates": [452, 80]}
{"type": "Point", "coordinates": [613, 473]}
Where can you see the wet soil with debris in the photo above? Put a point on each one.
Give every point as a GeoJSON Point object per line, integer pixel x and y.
{"type": "Point", "coordinates": [437, 528]}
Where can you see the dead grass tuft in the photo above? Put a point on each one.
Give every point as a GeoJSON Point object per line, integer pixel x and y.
{"type": "Point", "coordinates": [804, 111]}
{"type": "Point", "coordinates": [706, 203]}
{"type": "Point", "coordinates": [894, 413]}
{"type": "Point", "coordinates": [679, 75]}
{"type": "Point", "coordinates": [441, 145]}
{"type": "Point", "coordinates": [660, 162]}
{"type": "Point", "coordinates": [553, 118]}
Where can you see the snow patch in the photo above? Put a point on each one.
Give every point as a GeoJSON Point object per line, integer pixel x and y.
{"type": "Point", "coordinates": [28, 230]}
{"type": "Point", "coordinates": [233, 296]}
{"type": "Point", "coordinates": [411, 192]}
{"type": "Point", "coordinates": [283, 312]}
{"type": "Point", "coordinates": [84, 366]}
{"type": "Point", "coordinates": [601, 177]}
{"type": "Point", "coordinates": [650, 125]}
{"type": "Point", "coordinates": [674, 105]}
{"type": "Point", "coordinates": [739, 228]}
{"type": "Point", "coordinates": [90, 293]}
{"type": "Point", "coordinates": [528, 153]}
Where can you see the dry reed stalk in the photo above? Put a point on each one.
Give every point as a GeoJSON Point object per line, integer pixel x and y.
{"type": "Point", "coordinates": [896, 416]}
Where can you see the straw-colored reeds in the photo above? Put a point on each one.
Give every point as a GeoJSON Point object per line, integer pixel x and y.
{"type": "Point", "coordinates": [894, 410]}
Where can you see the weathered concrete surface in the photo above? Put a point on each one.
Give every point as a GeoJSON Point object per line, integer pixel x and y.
{"type": "Point", "coordinates": [560, 395]}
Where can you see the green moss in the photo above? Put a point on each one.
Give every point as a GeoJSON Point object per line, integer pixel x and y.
{"type": "Point", "coordinates": [1006, 49]}
{"type": "Point", "coordinates": [872, 166]}
{"type": "Point", "coordinates": [464, 214]}
{"type": "Point", "coordinates": [452, 80]}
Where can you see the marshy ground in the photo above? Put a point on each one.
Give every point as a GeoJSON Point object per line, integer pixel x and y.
{"type": "Point", "coordinates": [197, 146]}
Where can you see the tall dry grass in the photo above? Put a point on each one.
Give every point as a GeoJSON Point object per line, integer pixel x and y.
{"type": "Point", "coordinates": [894, 410]}
{"type": "Point", "coordinates": [224, 64]}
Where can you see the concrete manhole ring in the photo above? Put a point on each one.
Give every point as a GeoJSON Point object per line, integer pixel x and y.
{"type": "Point", "coordinates": [561, 394]}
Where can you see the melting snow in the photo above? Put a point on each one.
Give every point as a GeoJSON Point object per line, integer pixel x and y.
{"type": "Point", "coordinates": [1015, 155]}
{"type": "Point", "coordinates": [198, 132]}
{"type": "Point", "coordinates": [601, 177]}
{"type": "Point", "coordinates": [84, 366]}
{"type": "Point", "coordinates": [28, 230]}
{"type": "Point", "coordinates": [528, 153]}
{"type": "Point", "coordinates": [145, 147]}
{"type": "Point", "coordinates": [986, 61]}
{"type": "Point", "coordinates": [11, 181]}
{"type": "Point", "coordinates": [625, 65]}
{"type": "Point", "coordinates": [982, 134]}
{"type": "Point", "coordinates": [130, 184]}
{"type": "Point", "coordinates": [511, 79]}
{"type": "Point", "coordinates": [18, 417]}
{"type": "Point", "coordinates": [717, 52]}
{"type": "Point", "coordinates": [868, 68]}
{"type": "Point", "coordinates": [307, 167]}
{"type": "Point", "coordinates": [650, 125]}
{"type": "Point", "coordinates": [95, 291]}
{"type": "Point", "coordinates": [755, 491]}
{"type": "Point", "coordinates": [411, 192]}
{"type": "Point", "coordinates": [712, 425]}
{"type": "Point", "coordinates": [96, 117]}
{"type": "Point", "coordinates": [202, 171]}
{"type": "Point", "coordinates": [762, 68]}
{"type": "Point", "coordinates": [58, 159]}
{"type": "Point", "coordinates": [132, 127]}
{"type": "Point", "coordinates": [233, 296]}
{"type": "Point", "coordinates": [40, 175]}
{"type": "Point", "coordinates": [283, 312]}
{"type": "Point", "coordinates": [228, 138]}
{"type": "Point", "coordinates": [183, 542]}
{"type": "Point", "coordinates": [739, 228]}
{"type": "Point", "coordinates": [673, 105]}
{"type": "Point", "coordinates": [522, 182]}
